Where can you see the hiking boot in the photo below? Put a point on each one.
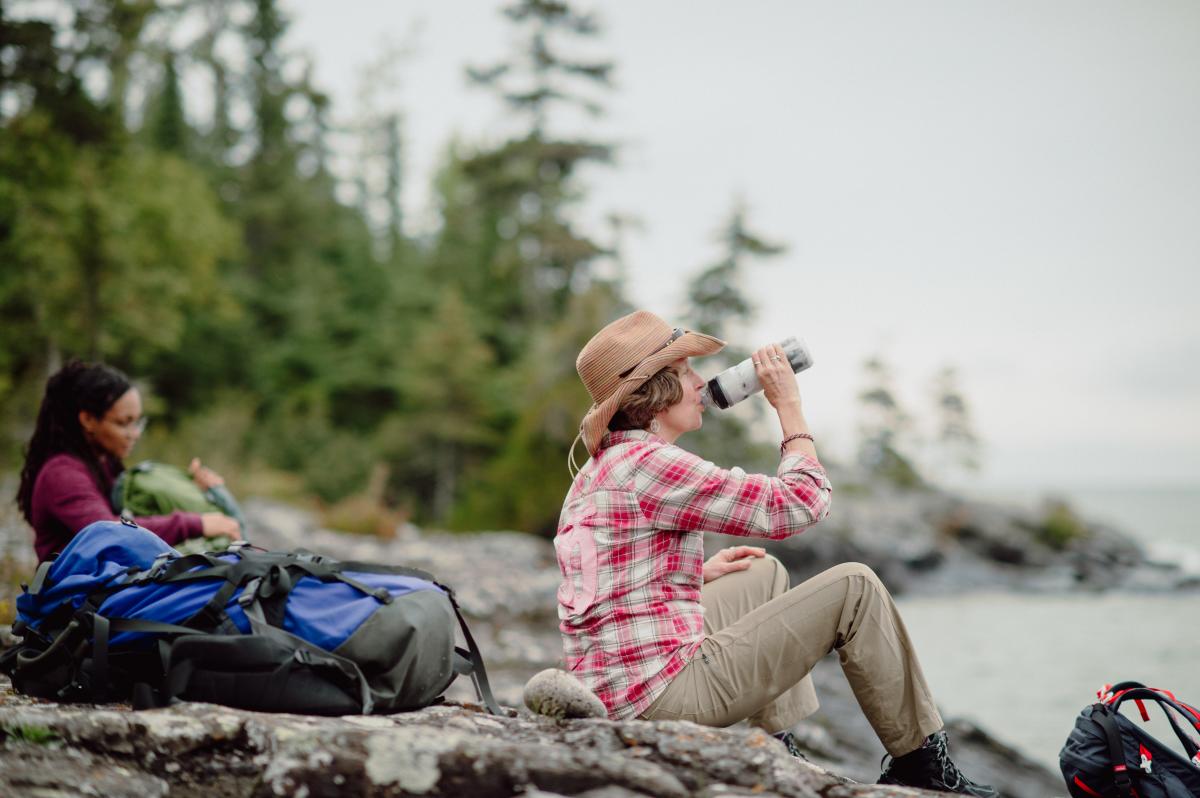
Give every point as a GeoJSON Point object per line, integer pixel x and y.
{"type": "Point", "coordinates": [930, 768]}
{"type": "Point", "coordinates": [789, 742]}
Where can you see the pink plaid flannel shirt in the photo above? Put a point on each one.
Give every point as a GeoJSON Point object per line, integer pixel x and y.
{"type": "Point", "coordinates": [630, 547]}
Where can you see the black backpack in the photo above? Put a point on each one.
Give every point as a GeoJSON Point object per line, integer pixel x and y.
{"type": "Point", "coordinates": [1108, 756]}
{"type": "Point", "coordinates": [120, 615]}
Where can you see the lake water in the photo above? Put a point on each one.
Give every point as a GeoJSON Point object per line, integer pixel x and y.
{"type": "Point", "coordinates": [1023, 665]}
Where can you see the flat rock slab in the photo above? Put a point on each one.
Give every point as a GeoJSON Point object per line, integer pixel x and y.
{"type": "Point", "coordinates": [447, 750]}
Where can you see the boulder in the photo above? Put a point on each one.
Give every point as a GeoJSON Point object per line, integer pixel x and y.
{"type": "Point", "coordinates": [447, 750]}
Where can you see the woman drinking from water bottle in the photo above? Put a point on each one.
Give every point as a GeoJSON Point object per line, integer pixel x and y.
{"type": "Point", "coordinates": [659, 633]}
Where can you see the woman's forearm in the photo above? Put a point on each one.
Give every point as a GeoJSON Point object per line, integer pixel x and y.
{"type": "Point", "coordinates": [791, 421]}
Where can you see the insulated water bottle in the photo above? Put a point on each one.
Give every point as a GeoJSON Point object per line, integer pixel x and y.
{"type": "Point", "coordinates": [737, 382]}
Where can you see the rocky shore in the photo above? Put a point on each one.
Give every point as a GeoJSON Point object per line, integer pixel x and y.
{"type": "Point", "coordinates": [506, 584]}
{"type": "Point", "coordinates": [934, 542]}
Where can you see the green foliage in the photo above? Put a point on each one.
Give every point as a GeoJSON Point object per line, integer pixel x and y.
{"type": "Point", "coordinates": [883, 429]}
{"type": "Point", "coordinates": [293, 342]}
{"type": "Point", "coordinates": [116, 250]}
{"type": "Point", "coordinates": [29, 733]}
{"type": "Point", "coordinates": [1060, 526]}
{"type": "Point", "coordinates": [957, 444]}
{"type": "Point", "coordinates": [166, 124]}
{"type": "Point", "coordinates": [896, 469]}
{"type": "Point", "coordinates": [448, 377]}
{"type": "Point", "coordinates": [523, 486]}
{"type": "Point", "coordinates": [219, 433]}
{"type": "Point", "coordinates": [533, 82]}
{"type": "Point", "coordinates": [718, 305]}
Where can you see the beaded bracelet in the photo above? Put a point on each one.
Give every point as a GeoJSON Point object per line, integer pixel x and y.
{"type": "Point", "coordinates": [791, 438]}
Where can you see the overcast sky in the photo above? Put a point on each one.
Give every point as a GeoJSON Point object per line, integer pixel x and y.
{"type": "Point", "coordinates": [1010, 188]}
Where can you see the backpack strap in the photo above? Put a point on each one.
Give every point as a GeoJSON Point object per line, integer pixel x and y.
{"type": "Point", "coordinates": [50, 673]}
{"type": "Point", "coordinates": [470, 662]}
{"type": "Point", "coordinates": [1167, 702]}
{"type": "Point", "coordinates": [330, 572]}
{"type": "Point", "coordinates": [396, 570]}
{"type": "Point", "coordinates": [258, 624]}
{"type": "Point", "coordinates": [39, 576]}
{"type": "Point", "coordinates": [99, 681]}
{"type": "Point", "coordinates": [102, 629]}
{"type": "Point", "coordinates": [1122, 785]}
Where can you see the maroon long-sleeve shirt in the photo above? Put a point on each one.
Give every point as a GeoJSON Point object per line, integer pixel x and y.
{"type": "Point", "coordinates": [66, 498]}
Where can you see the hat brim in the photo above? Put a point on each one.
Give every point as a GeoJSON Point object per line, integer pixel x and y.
{"type": "Point", "coordinates": [690, 344]}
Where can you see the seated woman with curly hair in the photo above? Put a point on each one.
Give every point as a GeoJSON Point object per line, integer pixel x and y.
{"type": "Point", "coordinates": [89, 421]}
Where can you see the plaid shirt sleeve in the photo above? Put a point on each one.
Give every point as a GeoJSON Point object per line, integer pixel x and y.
{"type": "Point", "coordinates": [678, 490]}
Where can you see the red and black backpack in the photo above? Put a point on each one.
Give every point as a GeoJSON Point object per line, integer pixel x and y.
{"type": "Point", "coordinates": [1107, 755]}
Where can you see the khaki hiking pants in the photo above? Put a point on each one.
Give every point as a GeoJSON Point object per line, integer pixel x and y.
{"type": "Point", "coordinates": [762, 639]}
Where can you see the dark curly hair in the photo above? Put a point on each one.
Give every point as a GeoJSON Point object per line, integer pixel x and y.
{"type": "Point", "coordinates": [651, 398]}
{"type": "Point", "coordinates": [77, 386]}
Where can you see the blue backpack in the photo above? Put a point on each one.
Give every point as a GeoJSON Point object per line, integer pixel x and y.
{"type": "Point", "coordinates": [120, 615]}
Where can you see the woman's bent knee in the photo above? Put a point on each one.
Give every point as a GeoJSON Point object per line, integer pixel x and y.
{"type": "Point", "coordinates": [770, 570]}
{"type": "Point", "coordinates": [856, 570]}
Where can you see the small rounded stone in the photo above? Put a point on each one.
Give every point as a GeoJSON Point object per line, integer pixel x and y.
{"type": "Point", "coordinates": [557, 694]}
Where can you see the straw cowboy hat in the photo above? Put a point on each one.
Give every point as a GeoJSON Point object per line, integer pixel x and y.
{"type": "Point", "coordinates": [622, 356]}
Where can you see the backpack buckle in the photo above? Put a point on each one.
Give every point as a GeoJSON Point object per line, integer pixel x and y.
{"type": "Point", "coordinates": [155, 568]}
{"type": "Point", "coordinates": [249, 592]}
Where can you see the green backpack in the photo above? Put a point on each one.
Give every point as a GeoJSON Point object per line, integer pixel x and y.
{"type": "Point", "coordinates": [151, 488]}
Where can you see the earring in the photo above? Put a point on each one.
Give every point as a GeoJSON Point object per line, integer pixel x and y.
{"type": "Point", "coordinates": [655, 426]}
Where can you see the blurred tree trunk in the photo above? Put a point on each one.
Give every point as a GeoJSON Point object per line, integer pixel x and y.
{"type": "Point", "coordinates": [91, 268]}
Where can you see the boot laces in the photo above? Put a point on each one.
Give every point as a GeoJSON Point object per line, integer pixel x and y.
{"type": "Point", "coordinates": [789, 740]}
{"type": "Point", "coordinates": [951, 777]}
{"type": "Point", "coordinates": [939, 756]}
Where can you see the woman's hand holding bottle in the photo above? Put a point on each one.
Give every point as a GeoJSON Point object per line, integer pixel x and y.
{"type": "Point", "coordinates": [783, 392]}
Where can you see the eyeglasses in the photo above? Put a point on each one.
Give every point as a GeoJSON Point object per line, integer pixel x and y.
{"type": "Point", "coordinates": [138, 425]}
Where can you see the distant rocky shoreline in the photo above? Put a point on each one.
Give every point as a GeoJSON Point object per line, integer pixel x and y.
{"type": "Point", "coordinates": [506, 582]}
{"type": "Point", "coordinates": [932, 542]}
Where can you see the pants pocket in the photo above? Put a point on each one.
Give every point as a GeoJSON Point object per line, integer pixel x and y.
{"type": "Point", "coordinates": [714, 689]}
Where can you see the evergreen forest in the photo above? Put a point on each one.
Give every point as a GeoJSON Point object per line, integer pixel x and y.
{"type": "Point", "coordinates": [284, 322]}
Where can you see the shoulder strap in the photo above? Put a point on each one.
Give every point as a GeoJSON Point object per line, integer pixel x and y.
{"type": "Point", "coordinates": [1122, 785]}
{"type": "Point", "coordinates": [1167, 702]}
{"type": "Point", "coordinates": [39, 576]}
{"type": "Point", "coordinates": [102, 628]}
{"type": "Point", "coordinates": [470, 662]}
{"type": "Point", "coordinates": [349, 668]}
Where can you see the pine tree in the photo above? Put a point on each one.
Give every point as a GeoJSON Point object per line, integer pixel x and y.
{"type": "Point", "coordinates": [221, 135]}
{"type": "Point", "coordinates": [167, 124]}
{"type": "Point", "coordinates": [527, 184]}
{"type": "Point", "coordinates": [957, 445]}
{"type": "Point", "coordinates": [716, 299]}
{"type": "Point", "coordinates": [446, 411]}
{"type": "Point", "coordinates": [523, 485]}
{"type": "Point", "coordinates": [882, 427]}
{"type": "Point", "coordinates": [539, 77]}
{"type": "Point", "coordinates": [717, 304]}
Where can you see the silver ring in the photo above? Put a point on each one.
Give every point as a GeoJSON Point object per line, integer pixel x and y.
{"type": "Point", "coordinates": [776, 357]}
{"type": "Point", "coordinates": [755, 362]}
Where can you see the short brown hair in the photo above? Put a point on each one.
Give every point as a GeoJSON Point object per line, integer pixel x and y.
{"type": "Point", "coordinates": [651, 398]}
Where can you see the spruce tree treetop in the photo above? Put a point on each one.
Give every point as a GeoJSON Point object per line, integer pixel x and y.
{"type": "Point", "coordinates": [541, 76]}
{"type": "Point", "coordinates": [525, 188]}
{"type": "Point", "coordinates": [716, 296]}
